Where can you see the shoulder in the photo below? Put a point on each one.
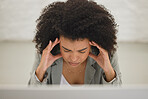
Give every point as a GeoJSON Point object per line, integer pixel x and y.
{"type": "Point", "coordinates": [114, 59]}
{"type": "Point", "coordinates": [37, 56]}
{"type": "Point", "coordinates": [114, 56]}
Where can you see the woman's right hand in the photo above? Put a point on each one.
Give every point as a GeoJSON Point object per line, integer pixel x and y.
{"type": "Point", "coordinates": [47, 59]}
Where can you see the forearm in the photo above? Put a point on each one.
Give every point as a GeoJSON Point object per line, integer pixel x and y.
{"type": "Point", "coordinates": [109, 73]}
{"type": "Point", "coordinates": [40, 72]}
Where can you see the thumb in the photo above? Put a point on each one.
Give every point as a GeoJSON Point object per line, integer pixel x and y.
{"type": "Point", "coordinates": [93, 56]}
{"type": "Point", "coordinates": [57, 56]}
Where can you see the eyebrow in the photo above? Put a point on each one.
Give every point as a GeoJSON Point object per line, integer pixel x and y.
{"type": "Point", "coordinates": [78, 50]}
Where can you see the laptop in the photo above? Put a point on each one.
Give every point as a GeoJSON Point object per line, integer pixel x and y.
{"type": "Point", "coordinates": [74, 92]}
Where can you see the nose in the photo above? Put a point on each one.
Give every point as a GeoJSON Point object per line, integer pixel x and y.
{"type": "Point", "coordinates": [74, 57]}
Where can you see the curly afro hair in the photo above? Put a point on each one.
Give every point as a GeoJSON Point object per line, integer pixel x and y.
{"type": "Point", "coordinates": [76, 19]}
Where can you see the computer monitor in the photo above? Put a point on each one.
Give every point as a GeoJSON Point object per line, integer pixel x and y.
{"type": "Point", "coordinates": [74, 92]}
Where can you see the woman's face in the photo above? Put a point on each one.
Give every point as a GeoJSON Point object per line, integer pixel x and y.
{"type": "Point", "coordinates": [75, 52]}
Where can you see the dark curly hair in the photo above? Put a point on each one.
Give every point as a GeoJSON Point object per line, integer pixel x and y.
{"type": "Point", "coordinates": [76, 19]}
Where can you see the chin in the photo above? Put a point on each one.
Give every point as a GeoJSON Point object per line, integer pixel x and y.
{"type": "Point", "coordinates": [74, 64]}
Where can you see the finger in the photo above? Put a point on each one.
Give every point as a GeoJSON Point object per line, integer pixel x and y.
{"type": "Point", "coordinates": [58, 41]}
{"type": "Point", "coordinates": [49, 45]}
{"type": "Point", "coordinates": [55, 43]}
{"type": "Point", "coordinates": [93, 56]}
{"type": "Point", "coordinates": [48, 48]}
{"type": "Point", "coordinates": [91, 43]}
{"type": "Point", "coordinates": [94, 44]}
{"type": "Point", "coordinates": [52, 44]}
{"type": "Point", "coordinates": [57, 56]}
{"type": "Point", "coordinates": [99, 47]}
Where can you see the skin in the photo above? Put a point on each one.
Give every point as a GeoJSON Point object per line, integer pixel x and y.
{"type": "Point", "coordinates": [47, 59]}
{"type": "Point", "coordinates": [103, 60]}
{"type": "Point", "coordinates": [74, 55]}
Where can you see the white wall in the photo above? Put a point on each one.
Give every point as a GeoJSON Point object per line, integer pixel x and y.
{"type": "Point", "coordinates": [17, 18]}
{"type": "Point", "coordinates": [131, 15]}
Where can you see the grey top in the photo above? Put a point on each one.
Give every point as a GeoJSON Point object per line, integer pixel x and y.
{"type": "Point", "coordinates": [94, 74]}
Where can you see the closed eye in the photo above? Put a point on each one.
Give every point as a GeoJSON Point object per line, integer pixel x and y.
{"type": "Point", "coordinates": [82, 52]}
{"type": "Point", "coordinates": [66, 51]}
{"type": "Point", "coordinates": [69, 51]}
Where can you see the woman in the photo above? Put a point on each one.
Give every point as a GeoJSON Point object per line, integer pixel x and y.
{"type": "Point", "coordinates": [76, 43]}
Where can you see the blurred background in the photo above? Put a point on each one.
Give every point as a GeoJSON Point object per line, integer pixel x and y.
{"type": "Point", "coordinates": [17, 29]}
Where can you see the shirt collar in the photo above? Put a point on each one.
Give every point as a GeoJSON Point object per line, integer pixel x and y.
{"type": "Point", "coordinates": [57, 71]}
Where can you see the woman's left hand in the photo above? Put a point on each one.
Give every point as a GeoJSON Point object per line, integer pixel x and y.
{"type": "Point", "coordinates": [103, 60]}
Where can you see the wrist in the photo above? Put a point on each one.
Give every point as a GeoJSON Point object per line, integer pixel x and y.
{"type": "Point", "coordinates": [107, 68]}
{"type": "Point", "coordinates": [42, 68]}
{"type": "Point", "coordinates": [109, 73]}
{"type": "Point", "coordinates": [40, 73]}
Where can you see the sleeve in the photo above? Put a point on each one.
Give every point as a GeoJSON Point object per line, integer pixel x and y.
{"type": "Point", "coordinates": [117, 80]}
{"type": "Point", "coordinates": [33, 79]}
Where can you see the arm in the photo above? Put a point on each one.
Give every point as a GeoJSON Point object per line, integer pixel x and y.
{"type": "Point", "coordinates": [33, 80]}
{"type": "Point", "coordinates": [110, 66]}
{"type": "Point", "coordinates": [117, 79]}
{"type": "Point", "coordinates": [42, 63]}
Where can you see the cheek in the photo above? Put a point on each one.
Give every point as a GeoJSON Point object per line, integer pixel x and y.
{"type": "Point", "coordinates": [64, 55]}
{"type": "Point", "coordinates": [85, 55]}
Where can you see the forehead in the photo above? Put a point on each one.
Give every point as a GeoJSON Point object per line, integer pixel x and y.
{"type": "Point", "coordinates": [75, 44]}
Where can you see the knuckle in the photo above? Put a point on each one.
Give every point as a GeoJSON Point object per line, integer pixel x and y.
{"type": "Point", "coordinates": [45, 50]}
